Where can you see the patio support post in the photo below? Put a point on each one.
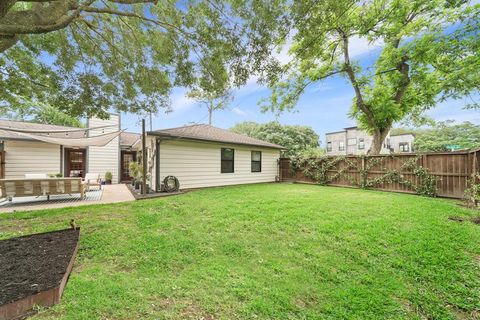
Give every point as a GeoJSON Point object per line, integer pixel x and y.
{"type": "Point", "coordinates": [144, 159]}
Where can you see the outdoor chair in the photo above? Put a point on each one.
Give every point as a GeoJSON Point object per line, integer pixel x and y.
{"type": "Point", "coordinates": [92, 179]}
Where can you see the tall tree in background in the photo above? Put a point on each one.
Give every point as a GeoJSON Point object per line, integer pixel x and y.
{"type": "Point", "coordinates": [85, 56]}
{"type": "Point", "coordinates": [446, 136]}
{"type": "Point", "coordinates": [213, 101]}
{"type": "Point", "coordinates": [213, 89]}
{"type": "Point", "coordinates": [429, 53]}
{"type": "Point", "coordinates": [296, 139]}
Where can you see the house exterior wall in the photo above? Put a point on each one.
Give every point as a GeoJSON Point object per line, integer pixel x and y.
{"type": "Point", "coordinates": [197, 164]}
{"type": "Point", "coordinates": [407, 139]}
{"type": "Point", "coordinates": [23, 157]}
{"type": "Point", "coordinates": [106, 158]}
{"type": "Point", "coordinates": [352, 141]}
{"type": "Point", "coordinates": [335, 139]}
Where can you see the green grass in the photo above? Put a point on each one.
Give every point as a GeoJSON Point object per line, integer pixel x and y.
{"type": "Point", "coordinates": [269, 251]}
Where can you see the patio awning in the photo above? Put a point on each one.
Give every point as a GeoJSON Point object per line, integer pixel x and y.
{"type": "Point", "coordinates": [96, 141]}
{"type": "Point", "coordinates": [7, 128]}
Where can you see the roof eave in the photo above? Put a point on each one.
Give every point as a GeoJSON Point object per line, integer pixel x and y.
{"type": "Point", "coordinates": [168, 135]}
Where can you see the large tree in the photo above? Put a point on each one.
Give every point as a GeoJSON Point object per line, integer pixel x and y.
{"type": "Point", "coordinates": [429, 52]}
{"type": "Point", "coordinates": [85, 57]}
{"type": "Point", "coordinates": [296, 139]}
{"type": "Point", "coordinates": [445, 136]}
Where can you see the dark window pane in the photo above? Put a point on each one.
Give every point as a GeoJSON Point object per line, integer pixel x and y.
{"type": "Point", "coordinates": [256, 156]}
{"type": "Point", "coordinates": [256, 166]}
{"type": "Point", "coordinates": [227, 154]}
{"type": "Point", "coordinates": [227, 166]}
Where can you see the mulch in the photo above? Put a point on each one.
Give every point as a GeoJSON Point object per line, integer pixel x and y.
{"type": "Point", "coordinates": [34, 263]}
{"type": "Point", "coordinates": [151, 194]}
{"type": "Point", "coordinates": [475, 220]}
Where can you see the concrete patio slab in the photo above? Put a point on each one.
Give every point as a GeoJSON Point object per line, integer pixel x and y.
{"type": "Point", "coordinates": [110, 194]}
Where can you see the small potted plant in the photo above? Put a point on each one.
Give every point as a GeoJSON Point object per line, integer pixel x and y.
{"type": "Point", "coordinates": [108, 177]}
{"type": "Point", "coordinates": [135, 174]}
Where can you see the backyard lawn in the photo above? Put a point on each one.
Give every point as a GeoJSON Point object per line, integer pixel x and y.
{"type": "Point", "coordinates": [268, 251]}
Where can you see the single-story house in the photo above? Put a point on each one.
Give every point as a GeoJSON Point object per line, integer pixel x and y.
{"type": "Point", "coordinates": [198, 155]}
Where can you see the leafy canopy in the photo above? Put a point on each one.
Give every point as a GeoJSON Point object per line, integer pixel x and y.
{"type": "Point", "coordinates": [447, 135]}
{"type": "Point", "coordinates": [296, 139]}
{"type": "Point", "coordinates": [84, 57]}
{"type": "Point", "coordinates": [429, 53]}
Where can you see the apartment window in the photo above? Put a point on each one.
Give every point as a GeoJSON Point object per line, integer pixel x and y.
{"type": "Point", "coordinates": [341, 146]}
{"type": "Point", "coordinates": [361, 144]}
{"type": "Point", "coordinates": [256, 161]}
{"type": "Point", "coordinates": [329, 146]}
{"type": "Point", "coordinates": [404, 147]}
{"type": "Point", "coordinates": [386, 144]}
{"type": "Point", "coordinates": [351, 142]}
{"type": "Point", "coordinates": [228, 156]}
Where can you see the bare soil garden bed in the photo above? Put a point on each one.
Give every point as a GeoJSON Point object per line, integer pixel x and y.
{"type": "Point", "coordinates": [34, 270]}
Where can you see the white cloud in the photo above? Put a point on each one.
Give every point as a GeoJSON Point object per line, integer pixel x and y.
{"type": "Point", "coordinates": [321, 87]}
{"type": "Point", "coordinates": [282, 55]}
{"type": "Point", "coordinates": [250, 87]}
{"type": "Point", "coordinates": [359, 46]}
{"type": "Point", "coordinates": [239, 111]}
{"type": "Point", "coordinates": [180, 102]}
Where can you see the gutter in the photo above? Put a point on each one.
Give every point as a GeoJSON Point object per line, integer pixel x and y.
{"type": "Point", "coordinates": [173, 137]}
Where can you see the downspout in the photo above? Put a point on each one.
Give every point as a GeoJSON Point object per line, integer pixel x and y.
{"type": "Point", "coordinates": [158, 185]}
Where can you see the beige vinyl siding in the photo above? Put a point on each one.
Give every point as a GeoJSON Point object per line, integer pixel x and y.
{"type": "Point", "coordinates": [23, 157]}
{"type": "Point", "coordinates": [106, 158]}
{"type": "Point", "coordinates": [197, 164]}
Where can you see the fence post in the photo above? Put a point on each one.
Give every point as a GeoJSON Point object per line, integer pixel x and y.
{"type": "Point", "coordinates": [363, 175]}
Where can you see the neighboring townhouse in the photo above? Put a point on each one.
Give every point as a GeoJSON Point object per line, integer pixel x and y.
{"type": "Point", "coordinates": [402, 143]}
{"type": "Point", "coordinates": [354, 141]}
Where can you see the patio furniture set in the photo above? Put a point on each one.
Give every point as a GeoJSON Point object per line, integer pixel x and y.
{"type": "Point", "coordinates": [39, 184]}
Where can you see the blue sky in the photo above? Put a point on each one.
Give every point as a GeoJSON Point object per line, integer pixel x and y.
{"type": "Point", "coordinates": [323, 106]}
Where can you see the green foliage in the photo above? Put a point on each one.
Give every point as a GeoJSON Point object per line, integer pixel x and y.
{"type": "Point", "coordinates": [429, 52]}
{"type": "Point", "coordinates": [214, 100]}
{"type": "Point", "coordinates": [135, 171]}
{"type": "Point", "coordinates": [296, 139]}
{"type": "Point", "coordinates": [320, 170]}
{"type": "Point", "coordinates": [313, 152]}
{"type": "Point", "coordinates": [267, 251]}
{"type": "Point", "coordinates": [472, 193]}
{"type": "Point", "coordinates": [108, 176]}
{"type": "Point", "coordinates": [445, 135]}
{"type": "Point", "coordinates": [125, 55]}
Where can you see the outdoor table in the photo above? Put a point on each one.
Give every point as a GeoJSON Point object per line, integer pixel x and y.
{"type": "Point", "coordinates": [23, 187]}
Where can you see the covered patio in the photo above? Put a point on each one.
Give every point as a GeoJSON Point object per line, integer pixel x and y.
{"type": "Point", "coordinates": [108, 194]}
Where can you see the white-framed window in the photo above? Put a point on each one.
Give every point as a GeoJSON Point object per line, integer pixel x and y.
{"type": "Point", "coordinates": [329, 146]}
{"type": "Point", "coordinates": [341, 146]}
{"type": "Point", "coordinates": [404, 147]}
{"type": "Point", "coordinates": [351, 142]}
{"type": "Point", "coordinates": [361, 143]}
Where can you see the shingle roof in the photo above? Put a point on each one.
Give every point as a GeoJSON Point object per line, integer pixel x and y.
{"type": "Point", "coordinates": [129, 138]}
{"type": "Point", "coordinates": [206, 132]}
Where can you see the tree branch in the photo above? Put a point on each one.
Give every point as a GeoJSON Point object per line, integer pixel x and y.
{"type": "Point", "coordinates": [163, 24]}
{"type": "Point", "coordinates": [351, 75]}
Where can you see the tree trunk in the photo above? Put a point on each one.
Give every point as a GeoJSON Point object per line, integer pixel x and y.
{"type": "Point", "coordinates": [378, 140]}
{"type": "Point", "coordinates": [210, 111]}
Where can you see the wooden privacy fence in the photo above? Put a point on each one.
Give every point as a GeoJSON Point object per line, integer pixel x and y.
{"type": "Point", "coordinates": [450, 172]}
